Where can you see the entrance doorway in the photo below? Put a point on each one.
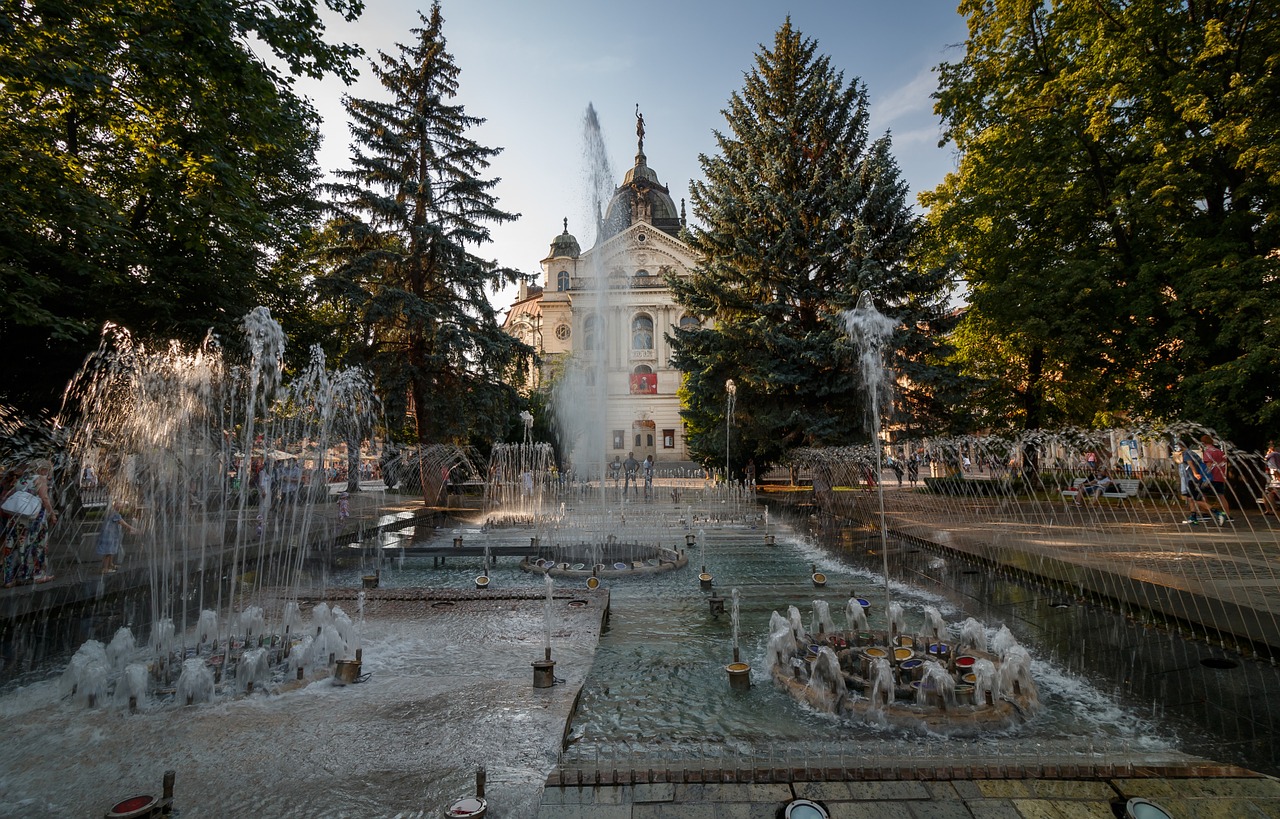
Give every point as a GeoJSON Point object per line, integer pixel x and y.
{"type": "Point", "coordinates": [644, 439]}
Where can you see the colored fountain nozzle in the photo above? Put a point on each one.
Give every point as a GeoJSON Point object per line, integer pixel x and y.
{"type": "Point", "coordinates": [471, 807]}
{"type": "Point", "coordinates": [544, 671]}
{"type": "Point", "coordinates": [769, 540]}
{"type": "Point", "coordinates": [690, 539]}
{"type": "Point", "coordinates": [739, 673]}
{"type": "Point", "coordinates": [137, 807]}
{"type": "Point", "coordinates": [717, 605]}
{"type": "Point", "coordinates": [457, 542]}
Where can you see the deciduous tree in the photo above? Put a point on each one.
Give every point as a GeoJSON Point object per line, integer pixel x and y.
{"type": "Point", "coordinates": [1114, 208]}
{"type": "Point", "coordinates": [154, 160]}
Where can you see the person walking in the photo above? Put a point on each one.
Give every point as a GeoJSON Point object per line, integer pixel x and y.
{"type": "Point", "coordinates": [629, 467]}
{"type": "Point", "coordinates": [25, 539]}
{"type": "Point", "coordinates": [1216, 460]}
{"type": "Point", "coordinates": [615, 470]}
{"type": "Point", "coordinates": [110, 537]}
{"type": "Point", "coordinates": [1271, 488]}
{"type": "Point", "coordinates": [647, 471]}
{"type": "Point", "coordinates": [1193, 478]}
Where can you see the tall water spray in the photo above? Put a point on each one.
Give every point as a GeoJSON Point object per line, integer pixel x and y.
{"type": "Point", "coordinates": [581, 395]}
{"type": "Point", "coordinates": [179, 436]}
{"type": "Point", "coordinates": [869, 329]}
{"type": "Point", "coordinates": [546, 644]}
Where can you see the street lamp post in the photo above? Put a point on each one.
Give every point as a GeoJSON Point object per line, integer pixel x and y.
{"type": "Point", "coordinates": [731, 395]}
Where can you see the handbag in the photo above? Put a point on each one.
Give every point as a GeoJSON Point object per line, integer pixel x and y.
{"type": "Point", "coordinates": [22, 504]}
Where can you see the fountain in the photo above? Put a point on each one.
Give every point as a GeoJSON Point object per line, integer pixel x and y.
{"type": "Point", "coordinates": [860, 672]}
{"type": "Point", "coordinates": [544, 669]}
{"type": "Point", "coordinates": [739, 672]}
{"type": "Point", "coordinates": [180, 436]}
{"type": "Point", "coordinates": [853, 673]}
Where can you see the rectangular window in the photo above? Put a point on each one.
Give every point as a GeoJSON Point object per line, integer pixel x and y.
{"type": "Point", "coordinates": [668, 439]}
{"type": "Point", "coordinates": [619, 439]}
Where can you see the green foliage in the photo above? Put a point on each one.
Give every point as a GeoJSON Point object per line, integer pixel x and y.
{"type": "Point", "coordinates": [1114, 209]}
{"type": "Point", "coordinates": [151, 167]}
{"type": "Point", "coordinates": [399, 270]}
{"type": "Point", "coordinates": [802, 212]}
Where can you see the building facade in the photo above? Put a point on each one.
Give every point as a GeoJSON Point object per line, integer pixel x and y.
{"type": "Point", "coordinates": [608, 308]}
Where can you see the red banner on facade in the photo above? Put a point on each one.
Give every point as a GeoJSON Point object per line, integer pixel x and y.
{"type": "Point", "coordinates": [644, 383]}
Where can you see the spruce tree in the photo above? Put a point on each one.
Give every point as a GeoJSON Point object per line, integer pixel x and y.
{"type": "Point", "coordinates": [408, 214]}
{"type": "Point", "coordinates": [799, 212]}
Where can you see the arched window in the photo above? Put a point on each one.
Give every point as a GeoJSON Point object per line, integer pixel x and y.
{"type": "Point", "coordinates": [590, 332]}
{"type": "Point", "coordinates": [690, 323]}
{"type": "Point", "coordinates": [642, 332]}
{"type": "Point", "coordinates": [643, 369]}
{"type": "Point", "coordinates": [562, 280]}
{"type": "Point", "coordinates": [641, 273]}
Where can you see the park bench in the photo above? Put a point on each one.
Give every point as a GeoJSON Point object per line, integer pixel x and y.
{"type": "Point", "coordinates": [1118, 490]}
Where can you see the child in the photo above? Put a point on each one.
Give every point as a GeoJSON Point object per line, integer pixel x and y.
{"type": "Point", "coordinates": [110, 536]}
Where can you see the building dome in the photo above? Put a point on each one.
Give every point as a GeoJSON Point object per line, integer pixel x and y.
{"type": "Point", "coordinates": [641, 198]}
{"type": "Point", "coordinates": [565, 245]}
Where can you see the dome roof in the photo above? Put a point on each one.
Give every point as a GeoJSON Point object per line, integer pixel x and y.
{"type": "Point", "coordinates": [565, 244]}
{"type": "Point", "coordinates": [641, 197]}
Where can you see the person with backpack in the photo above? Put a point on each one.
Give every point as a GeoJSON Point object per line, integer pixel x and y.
{"type": "Point", "coordinates": [1194, 481]}
{"type": "Point", "coordinates": [1216, 461]}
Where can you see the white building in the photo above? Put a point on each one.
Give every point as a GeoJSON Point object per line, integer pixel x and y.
{"type": "Point", "coordinates": [617, 330]}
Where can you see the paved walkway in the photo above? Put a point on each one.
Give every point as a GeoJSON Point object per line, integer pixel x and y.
{"type": "Point", "coordinates": [1222, 581]}
{"type": "Point", "coordinates": [945, 792]}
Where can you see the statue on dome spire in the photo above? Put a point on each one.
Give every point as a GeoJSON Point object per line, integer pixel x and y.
{"type": "Point", "coordinates": [640, 127]}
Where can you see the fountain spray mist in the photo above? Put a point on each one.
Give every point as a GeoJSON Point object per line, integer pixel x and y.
{"type": "Point", "coordinates": [869, 328]}
{"type": "Point", "coordinates": [581, 396]}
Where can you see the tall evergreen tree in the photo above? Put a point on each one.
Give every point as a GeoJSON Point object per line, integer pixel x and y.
{"type": "Point", "coordinates": [800, 213]}
{"type": "Point", "coordinates": [408, 212]}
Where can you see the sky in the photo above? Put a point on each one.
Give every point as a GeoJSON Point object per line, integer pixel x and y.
{"type": "Point", "coordinates": [530, 68]}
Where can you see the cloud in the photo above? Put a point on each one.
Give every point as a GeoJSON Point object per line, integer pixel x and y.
{"type": "Point", "coordinates": [905, 101]}
{"type": "Point", "coordinates": [925, 135]}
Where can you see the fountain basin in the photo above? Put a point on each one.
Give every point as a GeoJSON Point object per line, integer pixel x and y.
{"type": "Point", "coordinates": [936, 710]}
{"type": "Point", "coordinates": [612, 559]}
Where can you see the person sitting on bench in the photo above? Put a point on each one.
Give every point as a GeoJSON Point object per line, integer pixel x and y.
{"type": "Point", "coordinates": [1094, 485]}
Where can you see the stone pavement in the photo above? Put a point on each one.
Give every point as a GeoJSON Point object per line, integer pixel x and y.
{"type": "Point", "coordinates": [1193, 790]}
